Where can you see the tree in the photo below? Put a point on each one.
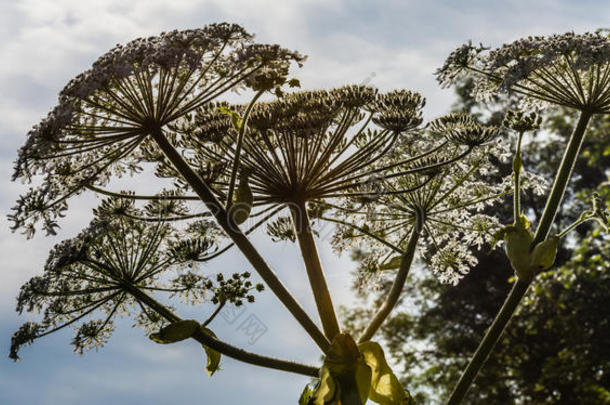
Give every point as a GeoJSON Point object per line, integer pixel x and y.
{"type": "Point", "coordinates": [352, 156]}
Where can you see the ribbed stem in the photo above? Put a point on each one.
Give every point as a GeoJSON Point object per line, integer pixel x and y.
{"type": "Point", "coordinates": [563, 177]}
{"type": "Point", "coordinates": [222, 347]}
{"type": "Point", "coordinates": [314, 270]}
{"type": "Point", "coordinates": [399, 282]}
{"type": "Point", "coordinates": [240, 240]}
{"type": "Point", "coordinates": [489, 342]}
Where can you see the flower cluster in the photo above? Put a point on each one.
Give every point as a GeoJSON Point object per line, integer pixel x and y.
{"type": "Point", "coordinates": [101, 126]}
{"type": "Point", "coordinates": [449, 199]}
{"type": "Point", "coordinates": [105, 269]}
{"type": "Point", "coordinates": [308, 145]}
{"type": "Point", "coordinates": [399, 110]}
{"type": "Point", "coordinates": [463, 129]}
{"type": "Point", "coordinates": [569, 70]}
{"type": "Point", "coordinates": [235, 289]}
{"type": "Point", "coordinates": [520, 122]}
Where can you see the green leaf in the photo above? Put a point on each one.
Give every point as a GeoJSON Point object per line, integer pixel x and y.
{"type": "Point", "coordinates": [175, 332]}
{"type": "Point", "coordinates": [235, 118]}
{"type": "Point", "coordinates": [327, 392]}
{"type": "Point", "coordinates": [213, 356]}
{"type": "Point", "coordinates": [543, 255]}
{"type": "Point", "coordinates": [243, 200]}
{"type": "Point", "coordinates": [363, 376]}
{"type": "Point", "coordinates": [305, 395]}
{"type": "Point", "coordinates": [342, 355]}
{"type": "Point", "coordinates": [518, 238]}
{"type": "Point", "coordinates": [385, 387]}
{"type": "Point", "coordinates": [344, 378]}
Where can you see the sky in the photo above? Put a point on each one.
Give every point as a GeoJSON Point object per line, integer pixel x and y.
{"type": "Point", "coordinates": [388, 44]}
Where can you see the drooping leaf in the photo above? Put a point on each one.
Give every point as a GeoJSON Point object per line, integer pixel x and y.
{"type": "Point", "coordinates": [175, 332]}
{"type": "Point", "coordinates": [518, 240]}
{"type": "Point", "coordinates": [305, 395]}
{"type": "Point", "coordinates": [213, 361]}
{"type": "Point", "coordinates": [327, 391]}
{"type": "Point", "coordinates": [385, 389]}
{"type": "Point", "coordinates": [363, 378]}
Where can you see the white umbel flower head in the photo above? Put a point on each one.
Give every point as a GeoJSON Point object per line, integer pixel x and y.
{"type": "Point", "coordinates": [105, 114]}
{"type": "Point", "coordinates": [570, 70]}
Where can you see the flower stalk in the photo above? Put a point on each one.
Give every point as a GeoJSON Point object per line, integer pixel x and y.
{"type": "Point", "coordinates": [314, 270]}
{"type": "Point", "coordinates": [222, 347]}
{"type": "Point", "coordinates": [563, 176]}
{"type": "Point", "coordinates": [243, 125]}
{"type": "Point", "coordinates": [399, 281]}
{"type": "Point", "coordinates": [489, 341]}
{"type": "Point", "coordinates": [520, 288]}
{"type": "Point", "coordinates": [240, 240]}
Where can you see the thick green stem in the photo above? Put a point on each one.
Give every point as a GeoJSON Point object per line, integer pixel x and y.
{"type": "Point", "coordinates": [399, 282]}
{"type": "Point", "coordinates": [489, 342]}
{"type": "Point", "coordinates": [314, 270]}
{"type": "Point", "coordinates": [222, 347]}
{"type": "Point", "coordinates": [240, 240]}
{"type": "Point", "coordinates": [517, 164]}
{"type": "Point", "coordinates": [562, 179]}
{"type": "Point", "coordinates": [519, 289]}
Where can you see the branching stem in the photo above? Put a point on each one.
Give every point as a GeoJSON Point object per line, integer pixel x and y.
{"type": "Point", "coordinates": [240, 240]}
{"type": "Point", "coordinates": [240, 140]}
{"type": "Point", "coordinates": [222, 347]}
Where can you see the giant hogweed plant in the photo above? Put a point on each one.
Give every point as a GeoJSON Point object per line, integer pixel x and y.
{"type": "Point", "coordinates": [361, 160]}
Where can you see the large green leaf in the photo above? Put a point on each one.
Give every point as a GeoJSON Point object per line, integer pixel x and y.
{"type": "Point", "coordinates": [518, 240]}
{"type": "Point", "coordinates": [385, 387]}
{"type": "Point", "coordinates": [543, 255]}
{"type": "Point", "coordinates": [327, 391]}
{"type": "Point", "coordinates": [345, 378]}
